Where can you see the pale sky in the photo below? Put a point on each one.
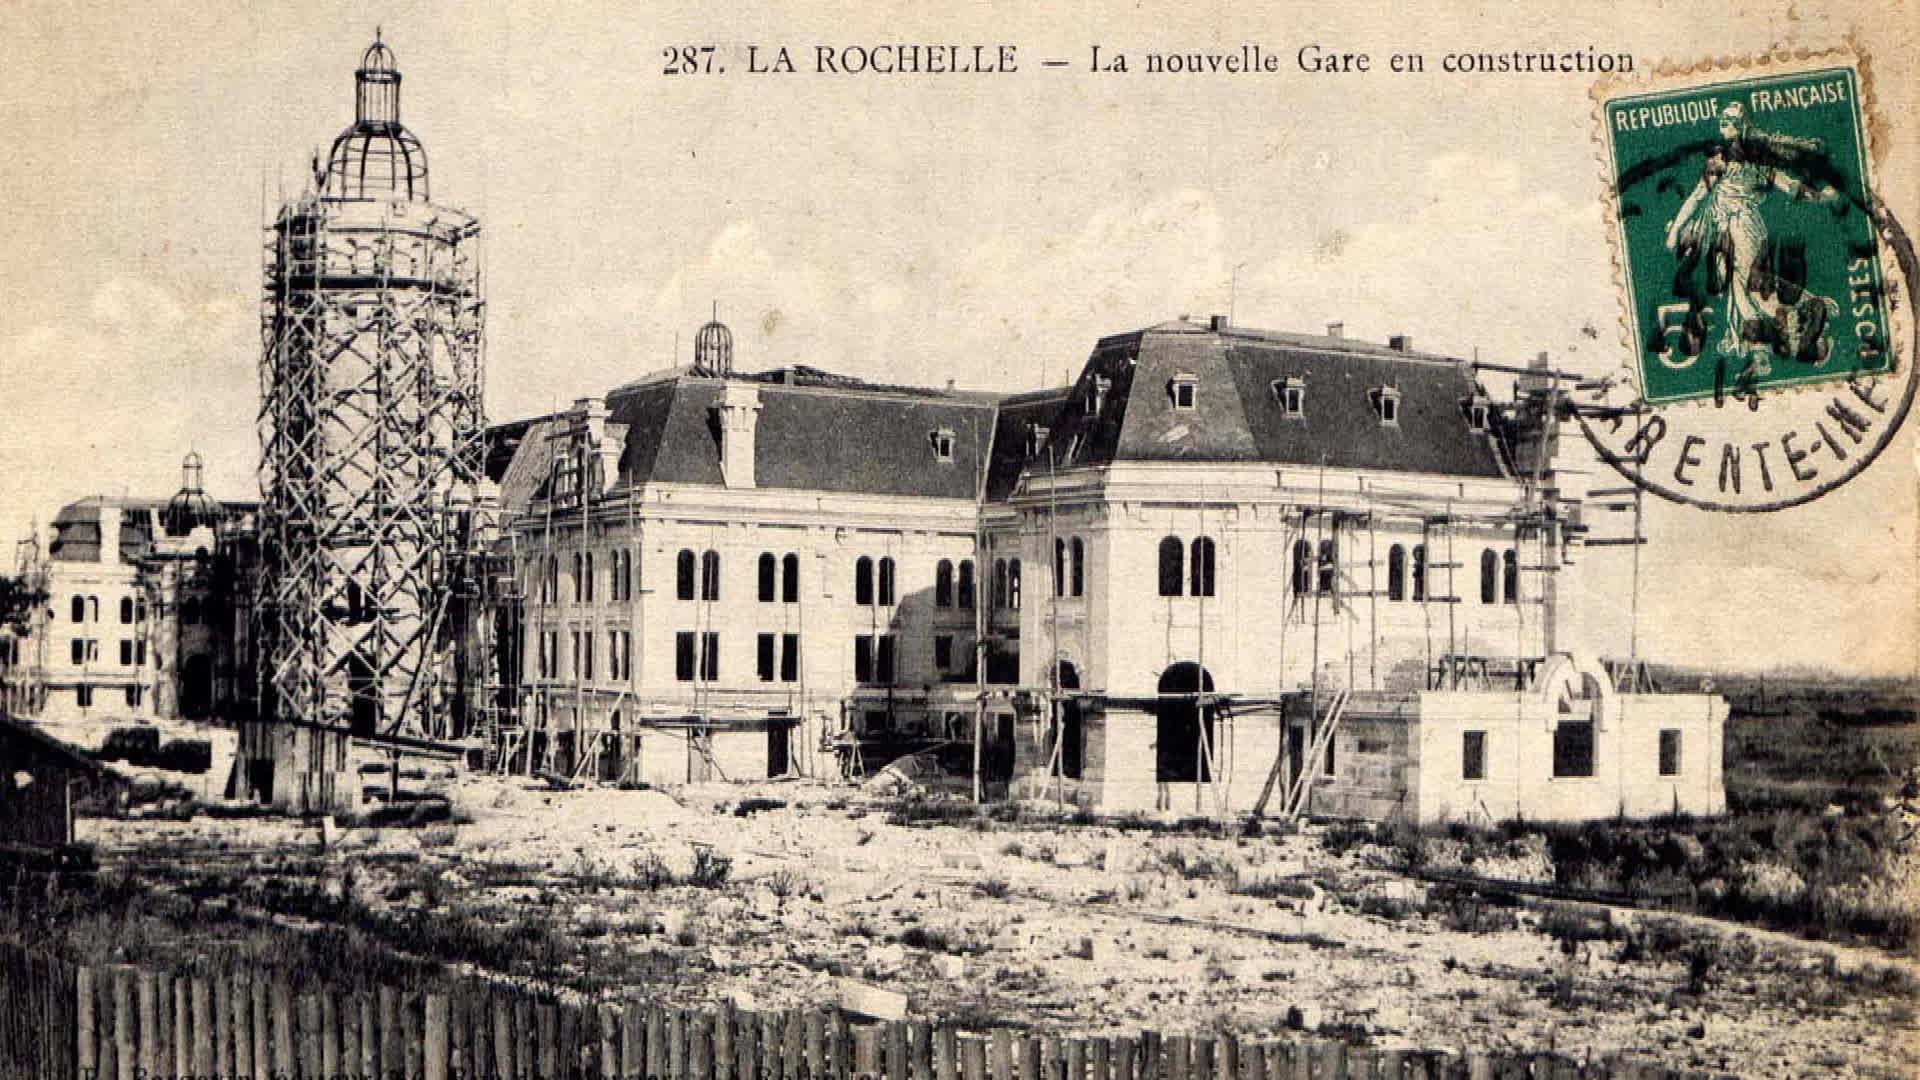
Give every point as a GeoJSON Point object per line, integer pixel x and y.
{"type": "Point", "coordinates": [983, 229]}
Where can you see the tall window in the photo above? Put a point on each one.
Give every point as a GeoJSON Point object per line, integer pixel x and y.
{"type": "Point", "coordinates": [140, 610]}
{"type": "Point", "coordinates": [1013, 584]}
{"type": "Point", "coordinates": [710, 576]}
{"type": "Point", "coordinates": [1059, 566]}
{"type": "Point", "coordinates": [886, 581]}
{"type": "Point", "coordinates": [943, 584]}
{"type": "Point", "coordinates": [1202, 566]}
{"type": "Point", "coordinates": [1172, 565]}
{"type": "Point", "coordinates": [999, 584]}
{"type": "Point", "coordinates": [1329, 576]}
{"type": "Point", "coordinates": [769, 577]}
{"type": "Point", "coordinates": [766, 656]}
{"type": "Point", "coordinates": [863, 581]}
{"type": "Point", "coordinates": [942, 652]}
{"type": "Point", "coordinates": [709, 656]}
{"type": "Point", "coordinates": [966, 589]}
{"type": "Point", "coordinates": [1670, 752]}
{"type": "Point", "coordinates": [590, 577]}
{"type": "Point", "coordinates": [579, 578]}
{"type": "Point", "coordinates": [587, 650]}
{"type": "Point", "coordinates": [790, 578]}
{"type": "Point", "coordinates": [1077, 555]}
{"type": "Point", "coordinates": [79, 609]}
{"type": "Point", "coordinates": [1510, 576]}
{"type": "Point", "coordinates": [1473, 755]}
{"type": "Point", "coordinates": [683, 575]}
{"type": "Point", "coordinates": [1396, 573]}
{"type": "Point", "coordinates": [789, 657]}
{"type": "Point", "coordinates": [1489, 576]}
{"type": "Point", "coordinates": [126, 609]}
{"type": "Point", "coordinates": [126, 653]}
{"type": "Point", "coordinates": [1420, 573]}
{"type": "Point", "coordinates": [684, 646]}
{"type": "Point", "coordinates": [1302, 567]}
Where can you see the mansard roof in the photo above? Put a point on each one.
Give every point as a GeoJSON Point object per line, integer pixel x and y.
{"type": "Point", "coordinates": [1238, 412]}
{"type": "Point", "coordinates": [817, 431]}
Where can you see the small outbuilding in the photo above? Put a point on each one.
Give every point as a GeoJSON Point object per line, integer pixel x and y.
{"type": "Point", "coordinates": [40, 780]}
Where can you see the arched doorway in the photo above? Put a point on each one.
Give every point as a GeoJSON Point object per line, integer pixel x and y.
{"type": "Point", "coordinates": [1182, 726]}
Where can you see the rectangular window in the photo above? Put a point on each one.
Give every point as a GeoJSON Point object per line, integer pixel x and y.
{"type": "Point", "coordinates": [126, 610]}
{"type": "Point", "coordinates": [1331, 743]}
{"type": "Point", "coordinates": [79, 651]}
{"type": "Point", "coordinates": [1573, 748]}
{"type": "Point", "coordinates": [134, 694]}
{"type": "Point", "coordinates": [790, 658]}
{"type": "Point", "coordinates": [83, 696]}
{"type": "Point", "coordinates": [683, 646]}
{"type": "Point", "coordinates": [709, 656]}
{"type": "Point", "coordinates": [883, 668]}
{"type": "Point", "coordinates": [764, 657]}
{"type": "Point", "coordinates": [626, 654]}
{"type": "Point", "coordinates": [126, 653]}
{"type": "Point", "coordinates": [575, 668]}
{"type": "Point", "coordinates": [943, 652]}
{"type": "Point", "coordinates": [140, 652]}
{"type": "Point", "coordinates": [1473, 755]}
{"type": "Point", "coordinates": [587, 649]}
{"type": "Point", "coordinates": [1670, 752]}
{"type": "Point", "coordinates": [863, 658]}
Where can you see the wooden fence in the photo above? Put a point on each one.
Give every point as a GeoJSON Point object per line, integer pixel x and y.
{"type": "Point", "coordinates": [124, 1023]}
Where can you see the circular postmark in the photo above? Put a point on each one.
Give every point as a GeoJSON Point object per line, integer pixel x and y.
{"type": "Point", "coordinates": [1763, 291]}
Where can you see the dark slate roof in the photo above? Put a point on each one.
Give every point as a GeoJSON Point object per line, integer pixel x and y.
{"type": "Point", "coordinates": [1238, 415]}
{"type": "Point", "coordinates": [816, 433]}
{"type": "Point", "coordinates": [1018, 416]}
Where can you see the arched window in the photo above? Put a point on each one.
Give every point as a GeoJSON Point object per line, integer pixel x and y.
{"type": "Point", "coordinates": [943, 583]}
{"type": "Point", "coordinates": [1329, 575]}
{"type": "Point", "coordinates": [79, 609]}
{"type": "Point", "coordinates": [769, 572]}
{"type": "Point", "coordinates": [1302, 567]}
{"type": "Point", "coordinates": [578, 578]}
{"type": "Point", "coordinates": [1077, 554]}
{"type": "Point", "coordinates": [710, 575]}
{"type": "Point", "coordinates": [999, 584]}
{"type": "Point", "coordinates": [1059, 567]}
{"type": "Point", "coordinates": [1419, 573]}
{"type": "Point", "coordinates": [1172, 565]}
{"type": "Point", "coordinates": [683, 575]}
{"type": "Point", "coordinates": [863, 581]}
{"type": "Point", "coordinates": [1202, 584]}
{"type": "Point", "coordinates": [966, 584]}
{"type": "Point", "coordinates": [1489, 576]}
{"type": "Point", "coordinates": [886, 581]}
{"type": "Point", "coordinates": [93, 609]}
{"type": "Point", "coordinates": [1013, 585]}
{"type": "Point", "coordinates": [790, 578]}
{"type": "Point", "coordinates": [1396, 573]}
{"type": "Point", "coordinates": [1510, 576]}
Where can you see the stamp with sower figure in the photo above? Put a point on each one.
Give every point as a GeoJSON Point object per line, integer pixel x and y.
{"type": "Point", "coordinates": [1761, 282]}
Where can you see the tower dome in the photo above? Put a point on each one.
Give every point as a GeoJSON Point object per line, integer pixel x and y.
{"type": "Point", "coordinates": [713, 347]}
{"type": "Point", "coordinates": [190, 508]}
{"type": "Point", "coordinates": [377, 157]}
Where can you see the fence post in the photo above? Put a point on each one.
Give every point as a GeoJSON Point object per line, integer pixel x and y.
{"type": "Point", "coordinates": [609, 1042]}
{"type": "Point", "coordinates": [149, 1037]}
{"type": "Point", "coordinates": [479, 1021]}
{"type": "Point", "coordinates": [751, 1049]}
{"type": "Point", "coordinates": [633, 1035]}
{"type": "Point", "coordinates": [89, 1050]}
{"type": "Point", "coordinates": [433, 1049]}
{"type": "Point", "coordinates": [1100, 1059]}
{"type": "Point", "coordinates": [656, 1042]}
{"type": "Point", "coordinates": [946, 1054]}
{"type": "Point", "coordinates": [221, 983]}
{"type": "Point", "coordinates": [240, 1024]}
{"type": "Point", "coordinates": [125, 1050]}
{"type": "Point", "coordinates": [262, 1033]}
{"type": "Point", "coordinates": [506, 1048]}
{"type": "Point", "coordinates": [817, 1045]}
{"type": "Point", "coordinates": [973, 1058]}
{"type": "Point", "coordinates": [1001, 1057]}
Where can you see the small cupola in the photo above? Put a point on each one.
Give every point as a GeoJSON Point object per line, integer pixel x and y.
{"type": "Point", "coordinates": [190, 508]}
{"type": "Point", "coordinates": [713, 348]}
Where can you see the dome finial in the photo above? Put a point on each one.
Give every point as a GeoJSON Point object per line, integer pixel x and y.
{"type": "Point", "coordinates": [713, 347]}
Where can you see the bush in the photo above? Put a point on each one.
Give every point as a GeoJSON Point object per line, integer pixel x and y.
{"type": "Point", "coordinates": [710, 869]}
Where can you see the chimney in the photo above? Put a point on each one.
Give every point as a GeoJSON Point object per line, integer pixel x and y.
{"type": "Point", "coordinates": [739, 414]}
{"type": "Point", "coordinates": [109, 533]}
{"type": "Point", "coordinates": [1217, 323]}
{"type": "Point", "coordinates": [1336, 329]}
{"type": "Point", "coordinates": [1400, 343]}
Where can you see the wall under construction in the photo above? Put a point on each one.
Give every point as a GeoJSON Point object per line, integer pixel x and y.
{"type": "Point", "coordinates": [371, 428]}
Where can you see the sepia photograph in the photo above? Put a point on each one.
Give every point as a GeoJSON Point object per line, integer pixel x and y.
{"type": "Point", "coordinates": [1128, 542]}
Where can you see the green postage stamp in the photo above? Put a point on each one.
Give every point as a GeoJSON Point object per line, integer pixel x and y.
{"type": "Point", "coordinates": [1746, 233]}
{"type": "Point", "coordinates": [1766, 321]}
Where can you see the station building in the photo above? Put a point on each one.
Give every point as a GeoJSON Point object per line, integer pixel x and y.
{"type": "Point", "coordinates": [1224, 571]}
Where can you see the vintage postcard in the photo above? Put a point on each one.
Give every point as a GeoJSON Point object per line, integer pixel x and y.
{"type": "Point", "coordinates": [1139, 541]}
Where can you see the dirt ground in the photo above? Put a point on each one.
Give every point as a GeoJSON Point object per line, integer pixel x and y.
{"type": "Point", "coordinates": [778, 894]}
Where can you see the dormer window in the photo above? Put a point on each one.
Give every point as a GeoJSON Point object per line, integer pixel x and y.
{"type": "Point", "coordinates": [1291, 393]}
{"type": "Point", "coordinates": [1479, 412]}
{"type": "Point", "coordinates": [1036, 439]}
{"type": "Point", "coordinates": [1386, 402]}
{"type": "Point", "coordinates": [941, 440]}
{"type": "Point", "coordinates": [1184, 388]}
